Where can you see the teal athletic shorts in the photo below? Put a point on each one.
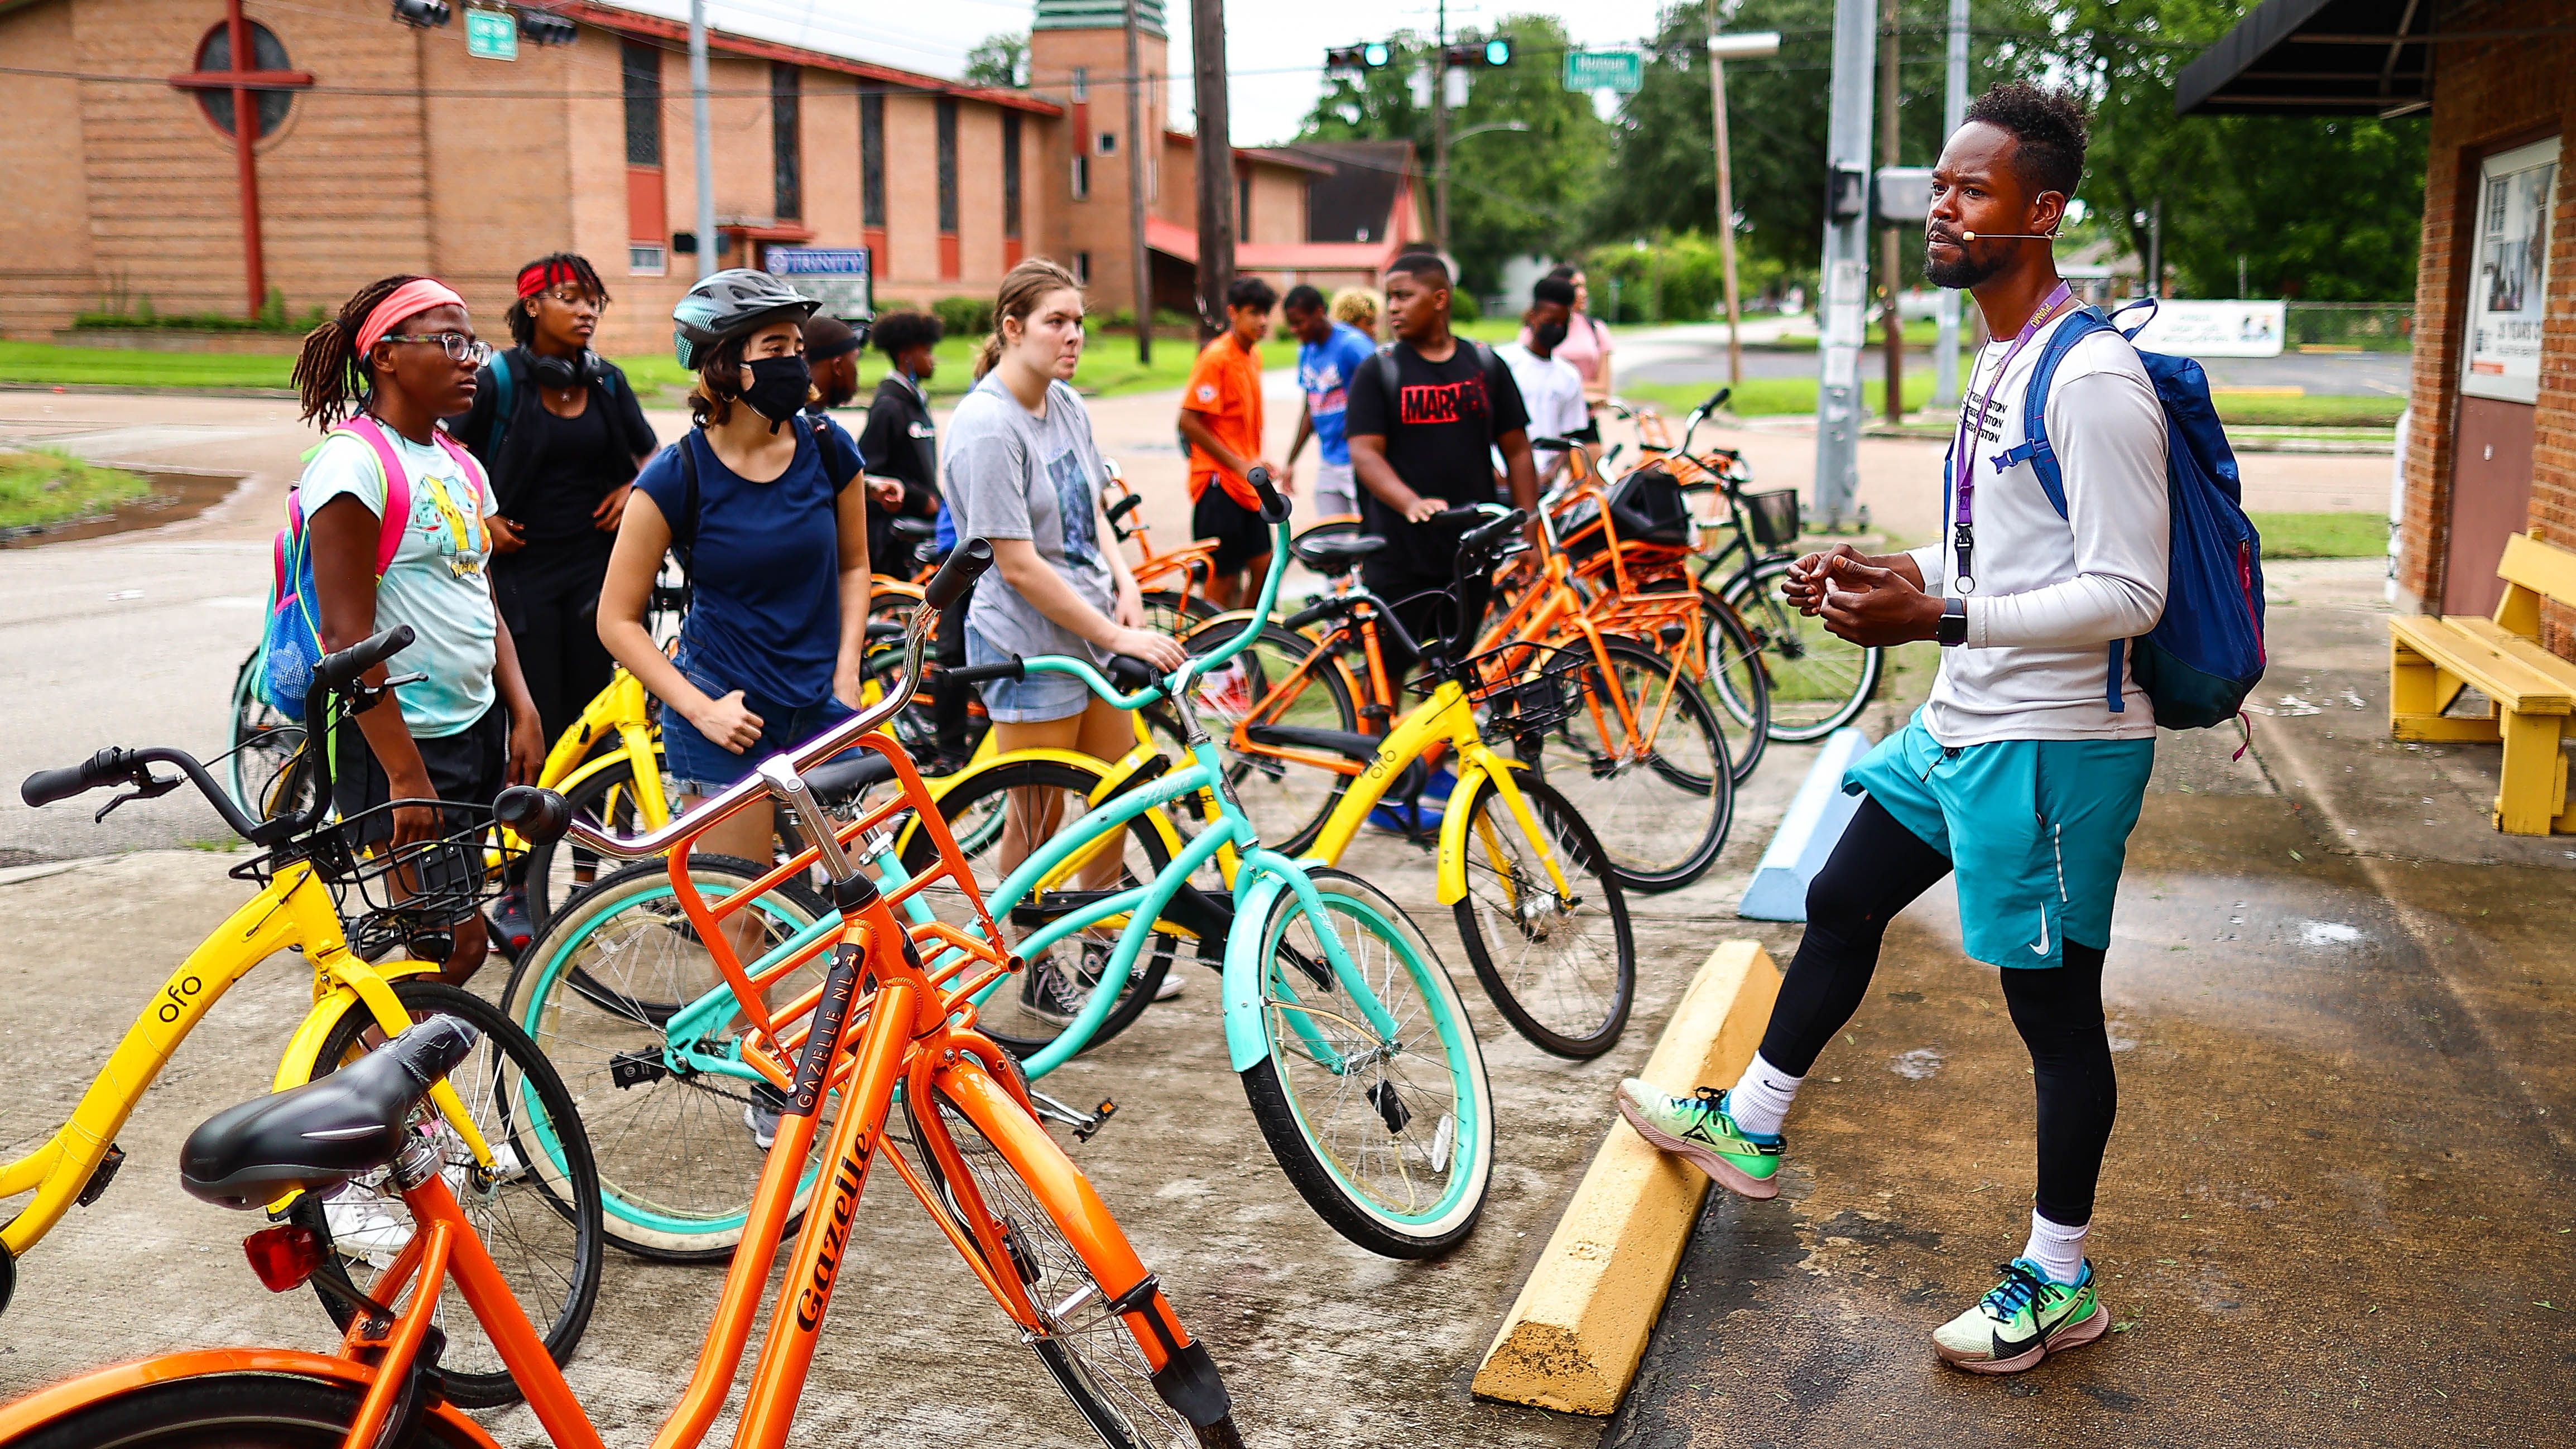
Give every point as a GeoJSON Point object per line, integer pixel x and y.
{"type": "Point", "coordinates": [2036, 831]}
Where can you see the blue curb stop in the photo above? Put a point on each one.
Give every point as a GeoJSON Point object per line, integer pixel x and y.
{"type": "Point", "coordinates": [1807, 834]}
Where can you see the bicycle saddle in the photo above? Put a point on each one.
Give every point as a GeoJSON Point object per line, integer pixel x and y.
{"type": "Point", "coordinates": [838, 782]}
{"type": "Point", "coordinates": [908, 529]}
{"type": "Point", "coordinates": [1336, 553]}
{"type": "Point", "coordinates": [327, 1131]}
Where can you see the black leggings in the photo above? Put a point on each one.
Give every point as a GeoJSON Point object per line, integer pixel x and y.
{"type": "Point", "coordinates": [1876, 870]}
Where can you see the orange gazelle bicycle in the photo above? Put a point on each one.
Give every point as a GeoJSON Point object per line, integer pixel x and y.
{"type": "Point", "coordinates": [1022, 1215]}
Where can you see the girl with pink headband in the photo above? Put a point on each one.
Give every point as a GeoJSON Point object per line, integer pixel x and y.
{"type": "Point", "coordinates": [401, 355]}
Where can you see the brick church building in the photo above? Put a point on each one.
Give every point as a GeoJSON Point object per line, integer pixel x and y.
{"type": "Point", "coordinates": [377, 147]}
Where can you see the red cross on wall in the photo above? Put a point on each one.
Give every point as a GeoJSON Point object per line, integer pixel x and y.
{"type": "Point", "coordinates": [247, 86]}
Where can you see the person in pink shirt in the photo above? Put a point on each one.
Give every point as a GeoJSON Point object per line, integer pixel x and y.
{"type": "Point", "coordinates": [1587, 340]}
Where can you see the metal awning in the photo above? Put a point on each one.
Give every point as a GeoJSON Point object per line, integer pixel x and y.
{"type": "Point", "coordinates": [2316, 57]}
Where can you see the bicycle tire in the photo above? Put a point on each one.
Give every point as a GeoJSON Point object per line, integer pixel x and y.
{"type": "Point", "coordinates": [552, 1144]}
{"type": "Point", "coordinates": [1571, 1007]}
{"type": "Point", "coordinates": [1167, 612]}
{"type": "Point", "coordinates": [606, 799]}
{"type": "Point", "coordinates": [1008, 1012]}
{"type": "Point", "coordinates": [267, 751]}
{"type": "Point", "coordinates": [1111, 1387]}
{"type": "Point", "coordinates": [676, 1163]}
{"type": "Point", "coordinates": [1738, 683]}
{"type": "Point", "coordinates": [1287, 802]}
{"type": "Point", "coordinates": [1683, 785]}
{"type": "Point", "coordinates": [1322, 1162]}
{"type": "Point", "coordinates": [262, 1410]}
{"type": "Point", "coordinates": [1819, 682]}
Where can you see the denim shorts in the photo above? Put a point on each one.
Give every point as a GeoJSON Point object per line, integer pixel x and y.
{"type": "Point", "coordinates": [700, 766]}
{"type": "Point", "coordinates": [1031, 699]}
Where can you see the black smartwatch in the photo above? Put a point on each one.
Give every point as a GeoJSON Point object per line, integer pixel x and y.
{"type": "Point", "coordinates": [1953, 629]}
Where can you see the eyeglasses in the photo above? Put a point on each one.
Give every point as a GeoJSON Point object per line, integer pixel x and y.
{"type": "Point", "coordinates": [575, 297]}
{"type": "Point", "coordinates": [459, 347]}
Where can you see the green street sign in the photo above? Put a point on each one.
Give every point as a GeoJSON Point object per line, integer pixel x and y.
{"type": "Point", "coordinates": [1605, 70]}
{"type": "Point", "coordinates": [492, 34]}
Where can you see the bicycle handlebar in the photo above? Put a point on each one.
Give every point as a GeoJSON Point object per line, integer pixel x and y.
{"type": "Point", "coordinates": [338, 671]}
{"type": "Point", "coordinates": [966, 563]}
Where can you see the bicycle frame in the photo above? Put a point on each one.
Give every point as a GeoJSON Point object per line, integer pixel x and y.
{"type": "Point", "coordinates": [621, 710]}
{"type": "Point", "coordinates": [294, 909]}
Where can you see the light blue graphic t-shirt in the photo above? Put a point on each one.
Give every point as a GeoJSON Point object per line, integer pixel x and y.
{"type": "Point", "coordinates": [1324, 371]}
{"type": "Point", "coordinates": [436, 583]}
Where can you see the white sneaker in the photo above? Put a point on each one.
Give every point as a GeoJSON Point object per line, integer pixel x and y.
{"type": "Point", "coordinates": [763, 1124]}
{"type": "Point", "coordinates": [367, 1225]}
{"type": "Point", "coordinates": [1172, 986]}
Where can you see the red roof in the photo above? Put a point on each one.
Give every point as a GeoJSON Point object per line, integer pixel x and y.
{"type": "Point", "coordinates": [1173, 239]}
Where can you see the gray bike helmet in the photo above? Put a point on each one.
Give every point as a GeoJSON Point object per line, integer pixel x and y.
{"type": "Point", "coordinates": [728, 304]}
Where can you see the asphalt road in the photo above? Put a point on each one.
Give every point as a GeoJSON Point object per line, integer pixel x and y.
{"type": "Point", "coordinates": [2327, 374]}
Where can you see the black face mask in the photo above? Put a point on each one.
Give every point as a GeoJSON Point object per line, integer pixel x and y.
{"type": "Point", "coordinates": [1550, 337]}
{"type": "Point", "coordinates": [779, 387]}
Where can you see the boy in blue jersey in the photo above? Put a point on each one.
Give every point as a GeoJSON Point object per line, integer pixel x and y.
{"type": "Point", "coordinates": [1328, 353]}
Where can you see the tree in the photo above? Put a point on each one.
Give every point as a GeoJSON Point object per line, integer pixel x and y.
{"type": "Point", "coordinates": [1000, 60]}
{"type": "Point", "coordinates": [1510, 191]}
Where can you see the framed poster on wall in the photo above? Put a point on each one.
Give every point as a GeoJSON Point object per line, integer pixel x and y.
{"type": "Point", "coordinates": [2510, 285]}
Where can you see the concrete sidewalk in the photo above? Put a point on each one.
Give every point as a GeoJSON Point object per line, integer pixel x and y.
{"type": "Point", "coordinates": [2336, 1208]}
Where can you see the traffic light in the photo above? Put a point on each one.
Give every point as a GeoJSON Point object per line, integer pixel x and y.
{"type": "Point", "coordinates": [1468, 54]}
{"type": "Point", "coordinates": [1376, 55]}
{"type": "Point", "coordinates": [544, 27]}
{"type": "Point", "coordinates": [1498, 51]}
{"type": "Point", "coordinates": [425, 14]}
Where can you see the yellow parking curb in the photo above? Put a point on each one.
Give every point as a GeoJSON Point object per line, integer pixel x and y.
{"type": "Point", "coordinates": [1573, 1339]}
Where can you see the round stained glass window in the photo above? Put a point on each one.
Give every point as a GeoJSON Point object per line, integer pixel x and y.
{"type": "Point", "coordinates": [215, 53]}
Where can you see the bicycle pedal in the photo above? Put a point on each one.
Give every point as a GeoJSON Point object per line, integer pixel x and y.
{"type": "Point", "coordinates": [635, 1068]}
{"type": "Point", "coordinates": [1100, 1116]}
{"type": "Point", "coordinates": [101, 1176]}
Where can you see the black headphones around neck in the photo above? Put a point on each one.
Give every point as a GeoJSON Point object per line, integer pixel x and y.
{"type": "Point", "coordinates": [558, 372]}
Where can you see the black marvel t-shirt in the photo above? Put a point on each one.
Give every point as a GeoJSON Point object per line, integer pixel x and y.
{"type": "Point", "coordinates": [1447, 416]}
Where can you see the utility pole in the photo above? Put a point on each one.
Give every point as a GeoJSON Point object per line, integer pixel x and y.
{"type": "Point", "coordinates": [1890, 265]}
{"type": "Point", "coordinates": [1216, 166]}
{"type": "Point", "coordinates": [1954, 110]}
{"type": "Point", "coordinates": [1845, 289]}
{"type": "Point", "coordinates": [1721, 48]}
{"type": "Point", "coordinates": [2156, 247]}
{"type": "Point", "coordinates": [1139, 263]}
{"type": "Point", "coordinates": [1440, 126]}
{"type": "Point", "coordinates": [698, 139]}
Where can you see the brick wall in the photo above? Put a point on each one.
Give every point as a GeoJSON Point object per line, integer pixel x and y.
{"type": "Point", "coordinates": [45, 273]}
{"type": "Point", "coordinates": [2488, 97]}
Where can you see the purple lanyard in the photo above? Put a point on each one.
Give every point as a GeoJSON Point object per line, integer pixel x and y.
{"type": "Point", "coordinates": [1963, 471]}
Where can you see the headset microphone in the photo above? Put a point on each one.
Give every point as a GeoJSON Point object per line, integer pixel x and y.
{"type": "Point", "coordinates": [2007, 236]}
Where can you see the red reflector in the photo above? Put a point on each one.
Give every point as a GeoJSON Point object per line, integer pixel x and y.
{"type": "Point", "coordinates": [283, 1256]}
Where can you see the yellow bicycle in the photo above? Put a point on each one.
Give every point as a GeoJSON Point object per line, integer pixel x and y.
{"type": "Point", "coordinates": [509, 1136]}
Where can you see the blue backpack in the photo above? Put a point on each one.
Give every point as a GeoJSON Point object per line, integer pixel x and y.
{"type": "Point", "coordinates": [2206, 654]}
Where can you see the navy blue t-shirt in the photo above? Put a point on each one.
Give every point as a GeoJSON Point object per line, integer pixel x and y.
{"type": "Point", "coordinates": [764, 564]}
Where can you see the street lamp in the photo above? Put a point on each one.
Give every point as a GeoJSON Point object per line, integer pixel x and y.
{"type": "Point", "coordinates": [1748, 45]}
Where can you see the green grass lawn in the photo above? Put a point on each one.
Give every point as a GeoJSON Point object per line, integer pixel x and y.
{"type": "Point", "coordinates": [45, 486]}
{"type": "Point", "coordinates": [2322, 535]}
{"type": "Point", "coordinates": [46, 364]}
{"type": "Point", "coordinates": [2310, 412]}
{"type": "Point", "coordinates": [1919, 332]}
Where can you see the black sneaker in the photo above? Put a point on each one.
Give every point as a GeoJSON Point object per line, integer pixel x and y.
{"type": "Point", "coordinates": [1056, 996]}
{"type": "Point", "coordinates": [512, 929]}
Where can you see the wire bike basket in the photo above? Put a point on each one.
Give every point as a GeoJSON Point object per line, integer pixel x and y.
{"type": "Point", "coordinates": [1522, 690]}
{"type": "Point", "coordinates": [391, 895]}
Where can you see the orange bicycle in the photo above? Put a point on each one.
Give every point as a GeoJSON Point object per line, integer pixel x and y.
{"type": "Point", "coordinates": [1027, 1222]}
{"type": "Point", "coordinates": [1173, 581]}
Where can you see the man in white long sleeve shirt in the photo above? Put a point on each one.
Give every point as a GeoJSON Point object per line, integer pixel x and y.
{"type": "Point", "coordinates": [2024, 772]}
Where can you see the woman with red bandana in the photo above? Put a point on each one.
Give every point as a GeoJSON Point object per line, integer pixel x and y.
{"type": "Point", "coordinates": [562, 435]}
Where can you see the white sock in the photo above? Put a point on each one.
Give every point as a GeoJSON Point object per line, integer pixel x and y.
{"type": "Point", "coordinates": [1761, 1097]}
{"type": "Point", "coordinates": [2057, 1248]}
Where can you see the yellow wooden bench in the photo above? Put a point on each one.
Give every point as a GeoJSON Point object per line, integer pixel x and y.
{"type": "Point", "coordinates": [2531, 693]}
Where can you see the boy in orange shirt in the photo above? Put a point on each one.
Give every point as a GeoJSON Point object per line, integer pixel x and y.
{"type": "Point", "coordinates": [1221, 420]}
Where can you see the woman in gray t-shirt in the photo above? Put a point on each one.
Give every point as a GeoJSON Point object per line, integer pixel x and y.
{"type": "Point", "coordinates": [1020, 469]}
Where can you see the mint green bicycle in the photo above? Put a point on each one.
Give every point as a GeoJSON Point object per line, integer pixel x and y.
{"type": "Point", "coordinates": [1353, 1045]}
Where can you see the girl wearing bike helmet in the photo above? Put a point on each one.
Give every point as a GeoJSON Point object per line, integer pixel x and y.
{"type": "Point", "coordinates": [758, 501]}
{"type": "Point", "coordinates": [400, 355]}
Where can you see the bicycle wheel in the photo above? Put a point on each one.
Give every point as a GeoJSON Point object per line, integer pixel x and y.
{"type": "Point", "coordinates": [268, 774]}
{"type": "Point", "coordinates": [596, 991]}
{"type": "Point", "coordinates": [1167, 612]}
{"type": "Point", "coordinates": [1562, 971]}
{"type": "Point", "coordinates": [560, 869]}
{"type": "Point", "coordinates": [1087, 1346]}
{"type": "Point", "coordinates": [1027, 1014]}
{"type": "Point", "coordinates": [1819, 681]}
{"type": "Point", "coordinates": [1664, 799]}
{"type": "Point", "coordinates": [1388, 1136]}
{"type": "Point", "coordinates": [224, 1411]}
{"type": "Point", "coordinates": [1738, 686]}
{"type": "Point", "coordinates": [539, 1214]}
{"type": "Point", "coordinates": [1287, 802]}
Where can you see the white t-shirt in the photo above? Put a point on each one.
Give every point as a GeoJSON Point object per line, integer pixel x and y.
{"type": "Point", "coordinates": [2051, 593]}
{"type": "Point", "coordinates": [1553, 392]}
{"type": "Point", "coordinates": [436, 583]}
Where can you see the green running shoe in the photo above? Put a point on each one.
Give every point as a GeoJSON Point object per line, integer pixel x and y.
{"type": "Point", "coordinates": [1698, 1128]}
{"type": "Point", "coordinates": [2022, 1320]}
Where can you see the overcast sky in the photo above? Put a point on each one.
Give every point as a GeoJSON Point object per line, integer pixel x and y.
{"type": "Point", "coordinates": [1274, 49]}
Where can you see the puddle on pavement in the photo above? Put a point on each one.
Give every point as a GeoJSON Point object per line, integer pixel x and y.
{"type": "Point", "coordinates": [175, 498]}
